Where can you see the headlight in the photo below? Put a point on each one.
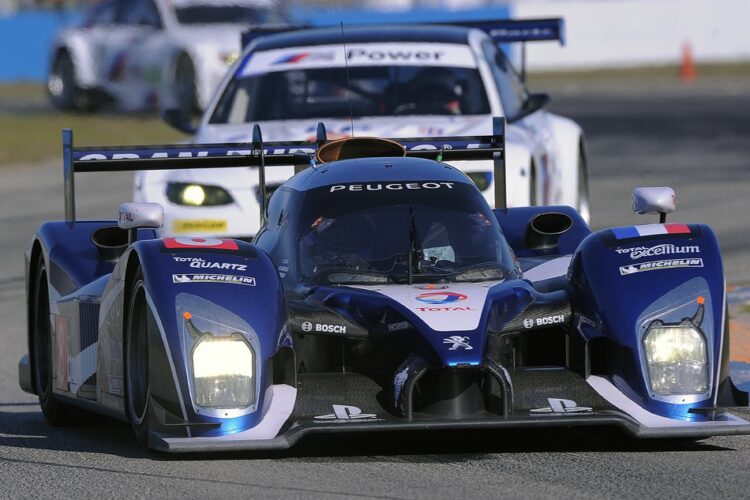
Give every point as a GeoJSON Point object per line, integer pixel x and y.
{"type": "Point", "coordinates": [197, 195]}
{"type": "Point", "coordinates": [677, 360]}
{"type": "Point", "coordinates": [223, 372]}
{"type": "Point", "coordinates": [481, 179]}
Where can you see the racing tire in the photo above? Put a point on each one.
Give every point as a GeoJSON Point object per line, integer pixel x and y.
{"type": "Point", "coordinates": [136, 367]}
{"type": "Point", "coordinates": [185, 88]}
{"type": "Point", "coordinates": [54, 411]}
{"type": "Point", "coordinates": [63, 91]}
{"type": "Point", "coordinates": [583, 204]}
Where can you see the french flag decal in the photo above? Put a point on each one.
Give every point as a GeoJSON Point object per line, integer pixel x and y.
{"type": "Point", "coordinates": [625, 233]}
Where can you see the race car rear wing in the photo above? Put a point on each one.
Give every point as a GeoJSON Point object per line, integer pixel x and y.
{"type": "Point", "coordinates": [299, 154]}
{"type": "Point", "coordinates": [500, 30]}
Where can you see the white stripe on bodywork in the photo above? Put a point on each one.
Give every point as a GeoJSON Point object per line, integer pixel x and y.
{"type": "Point", "coordinates": [460, 315]}
{"type": "Point", "coordinates": [547, 270]}
{"type": "Point", "coordinates": [82, 366]}
{"type": "Point", "coordinates": [651, 229]}
{"type": "Point", "coordinates": [608, 391]}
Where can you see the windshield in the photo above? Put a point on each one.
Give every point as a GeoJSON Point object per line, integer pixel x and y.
{"type": "Point", "coordinates": [375, 91]}
{"type": "Point", "coordinates": [384, 232]}
{"type": "Point", "coordinates": [216, 14]}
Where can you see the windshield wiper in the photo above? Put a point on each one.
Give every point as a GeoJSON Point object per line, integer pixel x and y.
{"type": "Point", "coordinates": [415, 252]}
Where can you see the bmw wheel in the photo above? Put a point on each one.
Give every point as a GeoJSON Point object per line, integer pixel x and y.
{"type": "Point", "coordinates": [64, 91]}
{"type": "Point", "coordinates": [185, 93]}
{"type": "Point", "coordinates": [61, 82]}
{"type": "Point", "coordinates": [55, 412]}
{"type": "Point", "coordinates": [136, 360]}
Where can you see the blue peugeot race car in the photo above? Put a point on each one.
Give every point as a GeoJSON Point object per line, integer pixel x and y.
{"type": "Point", "coordinates": [380, 294]}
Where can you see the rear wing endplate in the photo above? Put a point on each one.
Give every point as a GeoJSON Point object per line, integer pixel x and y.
{"type": "Point", "coordinates": [261, 154]}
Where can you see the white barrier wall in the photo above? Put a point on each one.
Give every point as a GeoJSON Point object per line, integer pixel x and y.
{"type": "Point", "coordinates": [639, 32]}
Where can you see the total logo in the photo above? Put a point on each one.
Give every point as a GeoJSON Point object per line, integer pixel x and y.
{"type": "Point", "coordinates": [440, 297]}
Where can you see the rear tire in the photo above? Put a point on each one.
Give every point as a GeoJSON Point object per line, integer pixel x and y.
{"type": "Point", "coordinates": [55, 412]}
{"type": "Point", "coordinates": [136, 361]}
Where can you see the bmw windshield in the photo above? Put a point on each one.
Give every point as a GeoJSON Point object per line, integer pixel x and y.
{"type": "Point", "coordinates": [394, 232]}
{"type": "Point", "coordinates": [381, 80]}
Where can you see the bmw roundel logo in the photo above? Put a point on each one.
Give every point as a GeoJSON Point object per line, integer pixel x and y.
{"type": "Point", "coordinates": [306, 326]}
{"type": "Point", "coordinates": [440, 297]}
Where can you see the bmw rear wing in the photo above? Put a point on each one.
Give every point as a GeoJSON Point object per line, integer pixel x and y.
{"type": "Point", "coordinates": [299, 154]}
{"type": "Point", "coordinates": [500, 30]}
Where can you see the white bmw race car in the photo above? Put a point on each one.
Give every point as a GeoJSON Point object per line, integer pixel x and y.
{"type": "Point", "coordinates": [385, 81]}
{"type": "Point", "coordinates": [150, 54]}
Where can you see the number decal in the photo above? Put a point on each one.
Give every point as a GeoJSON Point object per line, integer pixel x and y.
{"type": "Point", "coordinates": [200, 243]}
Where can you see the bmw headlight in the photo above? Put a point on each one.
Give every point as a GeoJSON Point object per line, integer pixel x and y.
{"type": "Point", "coordinates": [677, 359]}
{"type": "Point", "coordinates": [223, 372]}
{"type": "Point", "coordinates": [197, 195]}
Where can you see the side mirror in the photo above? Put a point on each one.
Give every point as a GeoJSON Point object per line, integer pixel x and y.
{"type": "Point", "coordinates": [535, 102]}
{"type": "Point", "coordinates": [654, 200]}
{"type": "Point", "coordinates": [134, 215]}
{"type": "Point", "coordinates": [178, 119]}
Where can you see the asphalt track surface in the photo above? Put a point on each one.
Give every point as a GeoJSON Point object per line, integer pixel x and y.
{"type": "Point", "coordinates": [692, 138]}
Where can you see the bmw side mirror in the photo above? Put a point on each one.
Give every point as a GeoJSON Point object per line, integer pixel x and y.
{"type": "Point", "coordinates": [654, 200]}
{"type": "Point", "coordinates": [535, 102]}
{"type": "Point", "coordinates": [179, 119]}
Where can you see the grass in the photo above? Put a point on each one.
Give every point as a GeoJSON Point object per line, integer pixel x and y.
{"type": "Point", "coordinates": [30, 130]}
{"type": "Point", "coordinates": [35, 137]}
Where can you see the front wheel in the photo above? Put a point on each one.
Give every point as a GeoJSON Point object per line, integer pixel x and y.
{"type": "Point", "coordinates": [55, 412]}
{"type": "Point", "coordinates": [136, 360]}
{"type": "Point", "coordinates": [63, 91]}
{"type": "Point", "coordinates": [185, 88]}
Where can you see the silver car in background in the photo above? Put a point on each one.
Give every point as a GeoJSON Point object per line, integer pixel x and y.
{"type": "Point", "coordinates": [151, 54]}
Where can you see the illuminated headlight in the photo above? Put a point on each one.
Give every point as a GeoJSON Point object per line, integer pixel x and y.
{"type": "Point", "coordinates": [223, 372]}
{"type": "Point", "coordinates": [677, 360]}
{"type": "Point", "coordinates": [228, 58]}
{"type": "Point", "coordinates": [481, 179]}
{"type": "Point", "coordinates": [197, 195]}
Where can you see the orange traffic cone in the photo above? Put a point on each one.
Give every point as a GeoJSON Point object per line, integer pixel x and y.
{"type": "Point", "coordinates": [688, 72]}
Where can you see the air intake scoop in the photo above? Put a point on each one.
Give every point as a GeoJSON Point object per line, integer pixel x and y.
{"type": "Point", "coordinates": [358, 147]}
